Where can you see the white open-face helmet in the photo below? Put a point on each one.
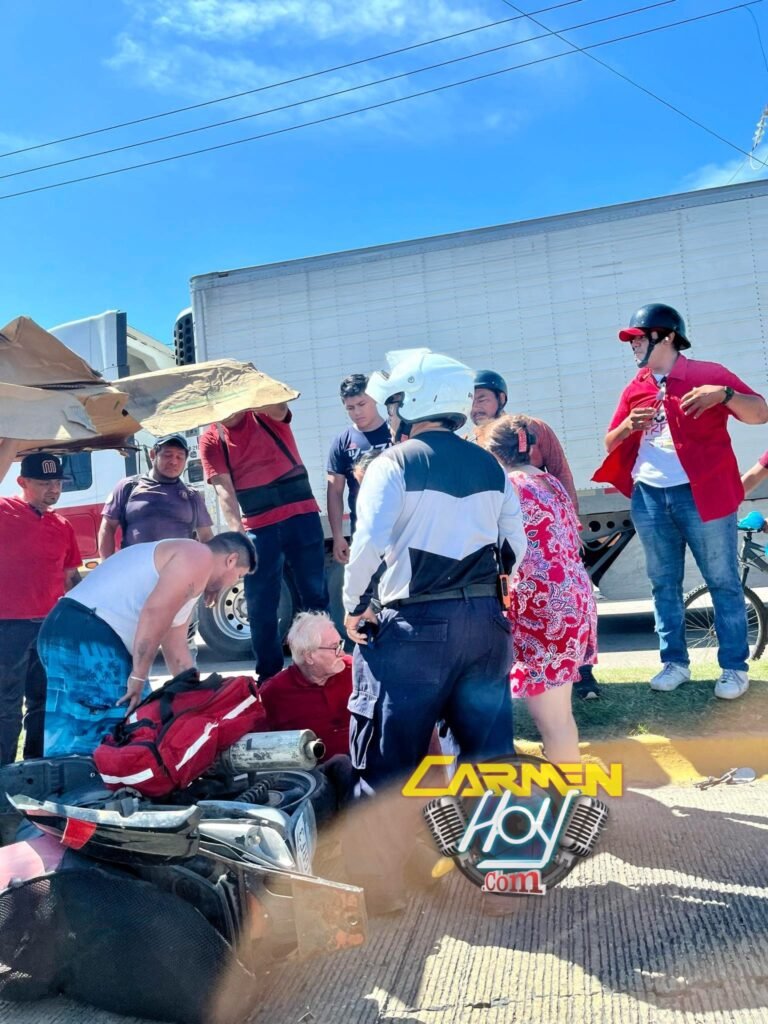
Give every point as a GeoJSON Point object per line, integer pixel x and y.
{"type": "Point", "coordinates": [432, 386]}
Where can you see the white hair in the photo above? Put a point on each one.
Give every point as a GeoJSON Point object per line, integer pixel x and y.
{"type": "Point", "coordinates": [305, 634]}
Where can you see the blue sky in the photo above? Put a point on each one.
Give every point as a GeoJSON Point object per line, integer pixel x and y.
{"type": "Point", "coordinates": [564, 134]}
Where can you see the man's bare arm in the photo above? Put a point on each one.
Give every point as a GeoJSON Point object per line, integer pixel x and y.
{"type": "Point", "coordinates": [183, 577]}
{"type": "Point", "coordinates": [107, 532]}
{"type": "Point", "coordinates": [754, 476]}
{"type": "Point", "coordinates": [71, 579]}
{"type": "Point", "coordinates": [176, 652]}
{"type": "Point", "coordinates": [335, 506]}
{"type": "Point", "coordinates": [275, 412]}
{"type": "Point", "coordinates": [225, 492]}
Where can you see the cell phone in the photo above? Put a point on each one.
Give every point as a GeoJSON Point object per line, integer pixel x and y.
{"type": "Point", "coordinates": [368, 629]}
{"type": "Point", "coordinates": [502, 587]}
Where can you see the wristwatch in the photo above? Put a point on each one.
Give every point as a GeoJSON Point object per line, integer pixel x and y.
{"type": "Point", "coordinates": [729, 393]}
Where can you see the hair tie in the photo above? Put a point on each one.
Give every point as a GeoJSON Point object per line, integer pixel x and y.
{"type": "Point", "coordinates": [522, 440]}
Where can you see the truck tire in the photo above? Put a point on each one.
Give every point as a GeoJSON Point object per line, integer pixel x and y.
{"type": "Point", "coordinates": [225, 628]}
{"type": "Point", "coordinates": [700, 621]}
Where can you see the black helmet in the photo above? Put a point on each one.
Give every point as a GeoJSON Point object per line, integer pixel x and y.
{"type": "Point", "coordinates": [491, 380]}
{"type": "Point", "coordinates": [656, 316]}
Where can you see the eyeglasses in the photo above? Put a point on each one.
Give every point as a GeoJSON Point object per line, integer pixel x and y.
{"type": "Point", "coordinates": [338, 649]}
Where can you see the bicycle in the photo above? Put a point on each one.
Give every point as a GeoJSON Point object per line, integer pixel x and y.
{"type": "Point", "coordinates": [699, 613]}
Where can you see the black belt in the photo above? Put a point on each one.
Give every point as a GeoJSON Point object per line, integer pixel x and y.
{"type": "Point", "coordinates": [460, 594]}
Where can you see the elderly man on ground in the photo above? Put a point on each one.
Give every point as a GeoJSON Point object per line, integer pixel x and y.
{"type": "Point", "coordinates": [314, 691]}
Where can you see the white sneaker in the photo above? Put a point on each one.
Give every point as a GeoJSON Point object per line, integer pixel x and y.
{"type": "Point", "coordinates": [670, 677]}
{"type": "Point", "coordinates": [731, 684]}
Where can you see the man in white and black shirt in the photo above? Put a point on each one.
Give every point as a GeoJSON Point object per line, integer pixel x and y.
{"type": "Point", "coordinates": [434, 509]}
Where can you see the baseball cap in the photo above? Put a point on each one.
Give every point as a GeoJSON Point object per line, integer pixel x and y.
{"type": "Point", "coordinates": [177, 439]}
{"type": "Point", "coordinates": [41, 466]}
{"type": "Point", "coordinates": [628, 333]}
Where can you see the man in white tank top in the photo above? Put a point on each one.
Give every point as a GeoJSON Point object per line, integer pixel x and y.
{"type": "Point", "coordinates": [99, 644]}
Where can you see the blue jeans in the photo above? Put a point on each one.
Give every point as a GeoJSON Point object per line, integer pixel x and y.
{"type": "Point", "coordinates": [299, 542]}
{"type": "Point", "coordinates": [22, 679]}
{"type": "Point", "coordinates": [666, 520]}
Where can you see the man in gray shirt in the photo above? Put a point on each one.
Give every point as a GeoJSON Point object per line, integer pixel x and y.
{"type": "Point", "coordinates": [157, 505]}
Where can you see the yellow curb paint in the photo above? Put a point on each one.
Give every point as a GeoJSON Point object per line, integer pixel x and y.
{"type": "Point", "coordinates": [442, 867]}
{"type": "Point", "coordinates": [674, 760]}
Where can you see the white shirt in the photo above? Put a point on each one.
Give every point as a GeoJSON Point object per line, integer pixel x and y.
{"type": "Point", "coordinates": [657, 462]}
{"type": "Point", "coordinates": [118, 590]}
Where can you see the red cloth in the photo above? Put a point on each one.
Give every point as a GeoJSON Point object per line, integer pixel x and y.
{"type": "Point", "coordinates": [548, 454]}
{"type": "Point", "coordinates": [255, 459]}
{"type": "Point", "coordinates": [553, 612]}
{"type": "Point", "coordinates": [293, 702]}
{"type": "Point", "coordinates": [35, 551]}
{"type": "Point", "coordinates": [703, 445]}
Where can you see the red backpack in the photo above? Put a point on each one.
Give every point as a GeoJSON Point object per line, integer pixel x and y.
{"type": "Point", "coordinates": [176, 733]}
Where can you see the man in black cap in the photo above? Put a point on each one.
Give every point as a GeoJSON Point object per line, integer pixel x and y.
{"type": "Point", "coordinates": [156, 505]}
{"type": "Point", "coordinates": [39, 559]}
{"type": "Point", "coordinates": [670, 452]}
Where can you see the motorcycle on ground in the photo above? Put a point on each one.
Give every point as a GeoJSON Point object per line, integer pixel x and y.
{"type": "Point", "coordinates": [172, 911]}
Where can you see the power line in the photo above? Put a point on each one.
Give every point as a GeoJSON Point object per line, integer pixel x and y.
{"type": "Point", "coordinates": [287, 81]}
{"type": "Point", "coordinates": [759, 37]}
{"type": "Point", "coordinates": [626, 78]}
{"type": "Point", "coordinates": [338, 92]}
{"type": "Point", "coordinates": [384, 103]}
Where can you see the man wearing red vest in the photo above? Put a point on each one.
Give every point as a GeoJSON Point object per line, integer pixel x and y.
{"type": "Point", "coordinates": [263, 489]}
{"type": "Point", "coordinates": [669, 448]}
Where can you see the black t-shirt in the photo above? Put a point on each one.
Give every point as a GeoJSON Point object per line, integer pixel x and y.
{"type": "Point", "coordinates": [346, 449]}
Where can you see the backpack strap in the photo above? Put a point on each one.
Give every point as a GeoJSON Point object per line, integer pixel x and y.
{"type": "Point", "coordinates": [185, 682]}
{"type": "Point", "coordinates": [278, 440]}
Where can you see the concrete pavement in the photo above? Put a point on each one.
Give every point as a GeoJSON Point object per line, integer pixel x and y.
{"type": "Point", "coordinates": [666, 924]}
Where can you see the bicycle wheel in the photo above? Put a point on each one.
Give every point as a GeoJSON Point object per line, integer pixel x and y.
{"type": "Point", "coordinates": [700, 621]}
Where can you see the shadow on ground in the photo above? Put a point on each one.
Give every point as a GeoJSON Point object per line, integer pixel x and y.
{"type": "Point", "coordinates": [672, 913]}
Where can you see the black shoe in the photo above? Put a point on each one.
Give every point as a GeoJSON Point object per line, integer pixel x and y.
{"type": "Point", "coordinates": [587, 688]}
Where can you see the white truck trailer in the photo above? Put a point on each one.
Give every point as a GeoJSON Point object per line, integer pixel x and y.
{"type": "Point", "coordinates": [540, 301]}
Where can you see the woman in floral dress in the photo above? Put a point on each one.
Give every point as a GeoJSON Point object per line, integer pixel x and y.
{"type": "Point", "coordinates": [553, 612]}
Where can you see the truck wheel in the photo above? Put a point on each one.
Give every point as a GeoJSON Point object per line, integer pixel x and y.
{"type": "Point", "coordinates": [225, 628]}
{"type": "Point", "coordinates": [700, 621]}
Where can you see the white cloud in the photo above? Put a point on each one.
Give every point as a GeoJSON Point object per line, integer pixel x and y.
{"type": "Point", "coordinates": [243, 20]}
{"type": "Point", "coordinates": [195, 50]}
{"type": "Point", "coordinates": [730, 172]}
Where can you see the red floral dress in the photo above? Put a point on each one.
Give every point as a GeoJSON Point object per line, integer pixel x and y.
{"type": "Point", "coordinates": [553, 612]}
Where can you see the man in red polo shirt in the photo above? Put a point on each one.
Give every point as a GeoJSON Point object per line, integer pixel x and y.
{"type": "Point", "coordinates": [39, 559]}
{"type": "Point", "coordinates": [314, 691]}
{"type": "Point", "coordinates": [668, 446]}
{"type": "Point", "coordinates": [263, 489]}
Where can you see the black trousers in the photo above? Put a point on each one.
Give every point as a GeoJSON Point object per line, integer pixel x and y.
{"type": "Point", "coordinates": [22, 679]}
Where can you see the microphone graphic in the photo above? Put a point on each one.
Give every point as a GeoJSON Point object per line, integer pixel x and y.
{"type": "Point", "coordinates": [587, 821]}
{"type": "Point", "coordinates": [447, 822]}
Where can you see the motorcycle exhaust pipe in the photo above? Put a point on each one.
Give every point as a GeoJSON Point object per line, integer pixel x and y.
{"type": "Point", "coordinates": [268, 751]}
